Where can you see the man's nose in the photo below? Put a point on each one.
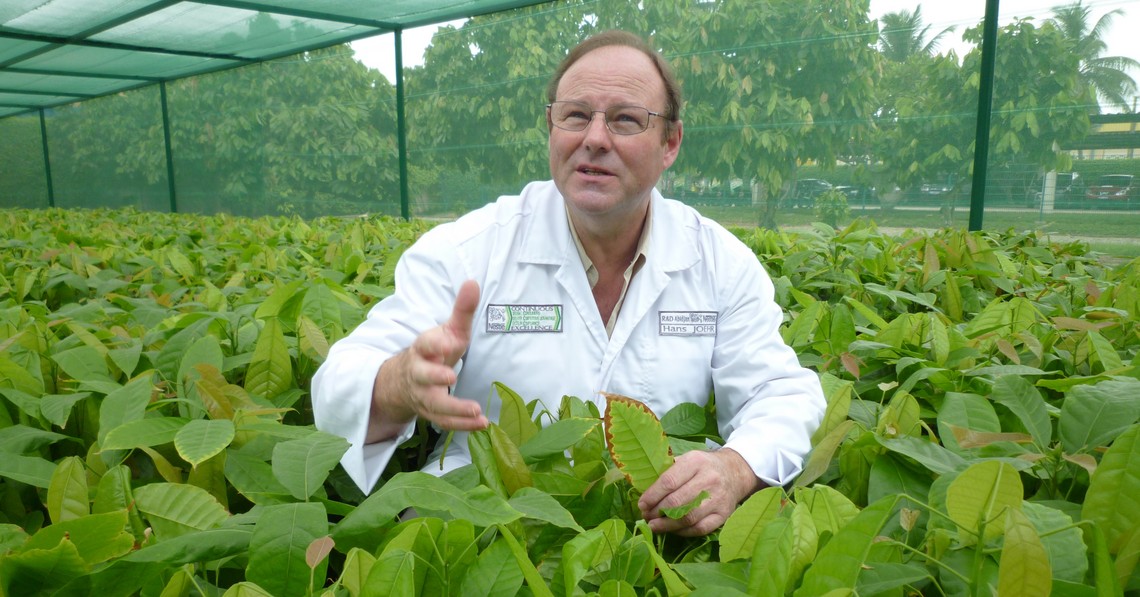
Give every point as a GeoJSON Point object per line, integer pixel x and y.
{"type": "Point", "coordinates": [597, 133]}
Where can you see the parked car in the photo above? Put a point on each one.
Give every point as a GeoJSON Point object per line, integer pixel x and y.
{"type": "Point", "coordinates": [1069, 191]}
{"type": "Point", "coordinates": [858, 195]}
{"type": "Point", "coordinates": [1112, 190]}
{"type": "Point", "coordinates": [807, 190]}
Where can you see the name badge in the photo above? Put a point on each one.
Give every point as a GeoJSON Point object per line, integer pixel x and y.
{"type": "Point", "coordinates": [506, 319]}
{"type": "Point", "coordinates": [687, 323]}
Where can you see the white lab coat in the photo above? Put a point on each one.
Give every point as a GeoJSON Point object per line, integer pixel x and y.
{"type": "Point", "coordinates": [520, 251]}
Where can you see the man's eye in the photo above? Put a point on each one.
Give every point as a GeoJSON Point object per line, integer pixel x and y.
{"type": "Point", "coordinates": [577, 115]}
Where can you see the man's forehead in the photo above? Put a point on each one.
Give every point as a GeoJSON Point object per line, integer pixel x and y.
{"type": "Point", "coordinates": [613, 69]}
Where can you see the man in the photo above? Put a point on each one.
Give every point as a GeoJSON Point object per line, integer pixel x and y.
{"type": "Point", "coordinates": [590, 282]}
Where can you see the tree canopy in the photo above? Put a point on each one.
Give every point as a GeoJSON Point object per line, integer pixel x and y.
{"type": "Point", "coordinates": [770, 87]}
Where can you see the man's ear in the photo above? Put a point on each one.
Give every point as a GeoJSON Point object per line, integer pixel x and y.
{"type": "Point", "coordinates": [672, 142]}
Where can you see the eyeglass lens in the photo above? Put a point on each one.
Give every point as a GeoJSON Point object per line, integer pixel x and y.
{"type": "Point", "coordinates": [621, 120]}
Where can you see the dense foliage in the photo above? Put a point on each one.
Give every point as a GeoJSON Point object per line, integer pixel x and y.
{"type": "Point", "coordinates": [155, 436]}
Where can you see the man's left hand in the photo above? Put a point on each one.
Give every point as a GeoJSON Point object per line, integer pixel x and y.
{"type": "Point", "coordinates": [723, 473]}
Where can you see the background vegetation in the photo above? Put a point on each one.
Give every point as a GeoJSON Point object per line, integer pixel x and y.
{"type": "Point", "coordinates": [156, 438]}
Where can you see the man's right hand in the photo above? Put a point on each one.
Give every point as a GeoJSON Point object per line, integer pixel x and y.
{"type": "Point", "coordinates": [415, 382]}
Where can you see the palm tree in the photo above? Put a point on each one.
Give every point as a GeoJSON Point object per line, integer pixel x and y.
{"type": "Point", "coordinates": [903, 35]}
{"type": "Point", "coordinates": [1106, 76]}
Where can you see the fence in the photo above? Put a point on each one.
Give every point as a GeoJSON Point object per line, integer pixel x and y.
{"type": "Point", "coordinates": [784, 101]}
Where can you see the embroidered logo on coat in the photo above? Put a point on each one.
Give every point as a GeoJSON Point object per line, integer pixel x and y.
{"type": "Point", "coordinates": [504, 319]}
{"type": "Point", "coordinates": [687, 323]}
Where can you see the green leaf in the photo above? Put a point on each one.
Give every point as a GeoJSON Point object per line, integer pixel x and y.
{"type": "Point", "coordinates": [1024, 565]}
{"type": "Point", "coordinates": [480, 506]}
{"type": "Point", "coordinates": [32, 470]}
{"type": "Point", "coordinates": [512, 469]}
{"type": "Point", "coordinates": [514, 419]}
{"type": "Point", "coordinates": [1104, 576]}
{"type": "Point", "coordinates": [201, 546]}
{"type": "Point", "coordinates": [1113, 497]}
{"type": "Point", "coordinates": [687, 418]}
{"type": "Point", "coordinates": [124, 405]}
{"type": "Point", "coordinates": [19, 439]}
{"type": "Point", "coordinates": [56, 408]}
{"type": "Point", "coordinates": [357, 564]}
{"type": "Point", "coordinates": [819, 460]}
{"type": "Point", "coordinates": [636, 441]}
{"type": "Point", "coordinates": [537, 505]}
{"type": "Point", "coordinates": [1027, 404]}
{"type": "Point", "coordinates": [246, 589]}
{"type": "Point", "coordinates": [744, 526]}
{"type": "Point", "coordinates": [587, 551]}
{"type": "Point", "coordinates": [934, 457]}
{"type": "Point", "coordinates": [538, 586]}
{"type": "Point", "coordinates": [175, 509]}
{"type": "Point", "coordinates": [1063, 541]}
{"type": "Point", "coordinates": [270, 370]}
{"type": "Point", "coordinates": [680, 511]}
{"type": "Point", "coordinates": [204, 351]}
{"type": "Point", "coordinates": [556, 438]}
{"type": "Point", "coordinates": [838, 393]}
{"type": "Point", "coordinates": [772, 559]}
{"type": "Point", "coordinates": [830, 510]}
{"type": "Point", "coordinates": [253, 477]}
{"type": "Point", "coordinates": [97, 537]}
{"type": "Point", "coordinates": [495, 572]}
{"type": "Point", "coordinates": [967, 411]}
{"type": "Point", "coordinates": [84, 364]}
{"type": "Point", "coordinates": [880, 577]}
{"type": "Point", "coordinates": [278, 545]}
{"type": "Point", "coordinates": [981, 496]}
{"type": "Point", "coordinates": [35, 572]}
{"type": "Point", "coordinates": [1092, 416]}
{"type": "Point", "coordinates": [889, 477]}
{"type": "Point", "coordinates": [67, 492]}
{"type": "Point", "coordinates": [144, 432]}
{"type": "Point", "coordinates": [302, 465]}
{"type": "Point", "coordinates": [201, 439]}
{"type": "Point", "coordinates": [838, 564]}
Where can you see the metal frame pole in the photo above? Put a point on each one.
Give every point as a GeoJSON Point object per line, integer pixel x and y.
{"type": "Point", "coordinates": [169, 152]}
{"type": "Point", "coordinates": [47, 159]}
{"type": "Point", "coordinates": [985, 108]}
{"type": "Point", "coordinates": [401, 126]}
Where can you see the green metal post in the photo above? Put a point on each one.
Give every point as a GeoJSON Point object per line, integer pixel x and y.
{"type": "Point", "coordinates": [169, 153]}
{"type": "Point", "coordinates": [47, 159]}
{"type": "Point", "coordinates": [985, 107]}
{"type": "Point", "coordinates": [401, 126]}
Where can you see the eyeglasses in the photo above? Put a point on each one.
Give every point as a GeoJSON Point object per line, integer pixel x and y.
{"type": "Point", "coordinates": [620, 120]}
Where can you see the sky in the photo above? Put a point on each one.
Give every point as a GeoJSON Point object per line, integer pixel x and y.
{"type": "Point", "coordinates": [1122, 39]}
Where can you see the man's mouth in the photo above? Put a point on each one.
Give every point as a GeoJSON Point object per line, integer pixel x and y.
{"type": "Point", "coordinates": [593, 171]}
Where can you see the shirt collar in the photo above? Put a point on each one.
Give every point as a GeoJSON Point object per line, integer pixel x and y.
{"type": "Point", "coordinates": [639, 255]}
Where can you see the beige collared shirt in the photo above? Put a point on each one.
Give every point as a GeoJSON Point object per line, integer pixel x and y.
{"type": "Point", "coordinates": [634, 266]}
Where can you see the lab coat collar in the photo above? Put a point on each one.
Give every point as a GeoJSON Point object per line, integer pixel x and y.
{"type": "Point", "coordinates": [547, 240]}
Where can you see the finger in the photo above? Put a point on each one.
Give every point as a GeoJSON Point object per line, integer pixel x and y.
{"type": "Point", "coordinates": [426, 373]}
{"type": "Point", "coordinates": [450, 413]}
{"type": "Point", "coordinates": [460, 423]}
{"type": "Point", "coordinates": [677, 476]}
{"type": "Point", "coordinates": [698, 528]}
{"type": "Point", "coordinates": [463, 313]}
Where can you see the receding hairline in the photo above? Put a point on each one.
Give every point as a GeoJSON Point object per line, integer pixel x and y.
{"type": "Point", "coordinates": [618, 38]}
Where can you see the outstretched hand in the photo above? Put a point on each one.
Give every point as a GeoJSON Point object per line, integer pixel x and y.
{"type": "Point", "coordinates": [416, 382]}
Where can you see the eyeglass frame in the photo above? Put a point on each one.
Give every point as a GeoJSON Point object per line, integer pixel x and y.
{"type": "Point", "coordinates": [605, 116]}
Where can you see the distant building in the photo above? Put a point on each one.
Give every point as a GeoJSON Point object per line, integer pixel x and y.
{"type": "Point", "coordinates": [1113, 136]}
